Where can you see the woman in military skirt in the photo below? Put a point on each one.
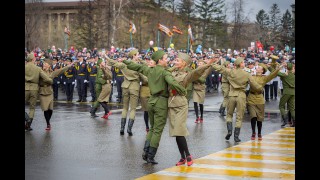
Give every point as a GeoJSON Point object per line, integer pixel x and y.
{"type": "Point", "coordinates": [46, 91]}
{"type": "Point", "coordinates": [255, 99]}
{"type": "Point", "coordinates": [199, 92]}
{"type": "Point", "coordinates": [178, 105]}
{"type": "Point", "coordinates": [104, 96]}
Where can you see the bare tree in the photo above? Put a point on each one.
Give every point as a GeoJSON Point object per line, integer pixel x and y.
{"type": "Point", "coordinates": [239, 20]}
{"type": "Point", "coordinates": [34, 11]}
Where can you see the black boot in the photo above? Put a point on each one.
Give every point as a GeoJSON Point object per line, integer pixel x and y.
{"type": "Point", "coordinates": [93, 112]}
{"type": "Point", "coordinates": [236, 134]}
{"type": "Point", "coordinates": [123, 124]}
{"type": "Point", "coordinates": [28, 125]}
{"type": "Point", "coordinates": [229, 127]}
{"type": "Point", "coordinates": [152, 152]}
{"type": "Point", "coordinates": [130, 124]}
{"type": "Point", "coordinates": [293, 122]}
{"type": "Point", "coordinates": [223, 111]}
{"type": "Point", "coordinates": [284, 121]}
{"type": "Point", "coordinates": [146, 150]}
{"type": "Point", "coordinates": [220, 108]}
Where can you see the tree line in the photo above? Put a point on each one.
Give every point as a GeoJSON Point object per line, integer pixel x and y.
{"type": "Point", "coordinates": [103, 23]}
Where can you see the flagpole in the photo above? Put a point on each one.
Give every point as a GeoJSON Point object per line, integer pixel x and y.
{"type": "Point", "coordinates": [158, 37]}
{"type": "Point", "coordinates": [131, 39]}
{"type": "Point", "coordinates": [170, 40]}
{"type": "Point", "coordinates": [188, 44]}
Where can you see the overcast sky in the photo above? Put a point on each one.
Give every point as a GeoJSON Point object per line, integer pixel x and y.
{"type": "Point", "coordinates": [251, 7]}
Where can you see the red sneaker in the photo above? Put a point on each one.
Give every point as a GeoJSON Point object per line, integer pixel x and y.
{"type": "Point", "coordinates": [181, 162]}
{"type": "Point", "coordinates": [147, 129]}
{"type": "Point", "coordinates": [259, 137]}
{"type": "Point", "coordinates": [197, 120]}
{"type": "Point", "coordinates": [48, 127]}
{"type": "Point", "coordinates": [201, 120]}
{"type": "Point", "coordinates": [189, 160]}
{"type": "Point", "coordinates": [253, 136]}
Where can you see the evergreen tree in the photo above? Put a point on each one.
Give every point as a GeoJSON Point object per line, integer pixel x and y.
{"type": "Point", "coordinates": [185, 8]}
{"type": "Point", "coordinates": [274, 34]}
{"type": "Point", "coordinates": [262, 20]}
{"type": "Point", "coordinates": [287, 37]}
{"type": "Point", "coordinates": [210, 14]}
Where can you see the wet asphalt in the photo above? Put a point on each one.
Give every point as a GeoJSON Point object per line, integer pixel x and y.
{"type": "Point", "coordinates": [80, 147]}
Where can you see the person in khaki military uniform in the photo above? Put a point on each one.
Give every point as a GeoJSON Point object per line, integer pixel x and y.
{"type": "Point", "coordinates": [33, 74]}
{"type": "Point", "coordinates": [225, 87]}
{"type": "Point", "coordinates": [104, 95]}
{"type": "Point", "coordinates": [288, 81]}
{"type": "Point", "coordinates": [158, 81]}
{"type": "Point", "coordinates": [178, 104]}
{"type": "Point", "coordinates": [130, 91]}
{"type": "Point", "coordinates": [46, 90]}
{"type": "Point", "coordinates": [255, 99]}
{"type": "Point", "coordinates": [199, 92]}
{"type": "Point", "coordinates": [238, 79]}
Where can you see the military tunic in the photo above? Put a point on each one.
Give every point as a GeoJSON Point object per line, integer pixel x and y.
{"type": "Point", "coordinates": [144, 92]}
{"type": "Point", "coordinates": [238, 80]}
{"type": "Point", "coordinates": [104, 95]}
{"type": "Point", "coordinates": [46, 90]}
{"type": "Point", "coordinates": [255, 98]}
{"type": "Point", "coordinates": [32, 76]}
{"type": "Point", "coordinates": [288, 82]}
{"type": "Point", "coordinates": [199, 87]}
{"type": "Point", "coordinates": [225, 87]}
{"type": "Point", "coordinates": [158, 81]}
{"type": "Point", "coordinates": [178, 104]}
{"type": "Point", "coordinates": [130, 89]}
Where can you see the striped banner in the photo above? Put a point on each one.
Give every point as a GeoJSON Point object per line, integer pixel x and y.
{"type": "Point", "coordinates": [176, 30]}
{"type": "Point", "coordinates": [164, 29]}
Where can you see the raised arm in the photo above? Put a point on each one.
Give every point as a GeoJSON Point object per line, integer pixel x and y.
{"type": "Point", "coordinates": [114, 63]}
{"type": "Point", "coordinates": [174, 84]}
{"type": "Point", "coordinates": [57, 72]}
{"type": "Point", "coordinates": [144, 69]}
{"type": "Point", "coordinates": [195, 74]}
